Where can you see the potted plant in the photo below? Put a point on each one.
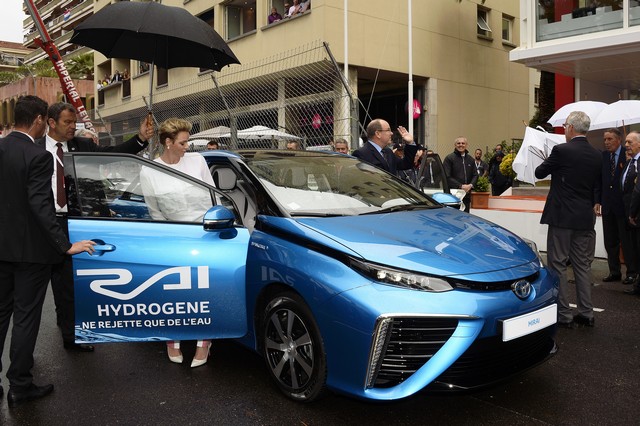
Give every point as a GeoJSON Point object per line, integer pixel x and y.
{"type": "Point", "coordinates": [480, 193]}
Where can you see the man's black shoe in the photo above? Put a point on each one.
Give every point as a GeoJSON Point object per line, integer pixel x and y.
{"type": "Point", "coordinates": [562, 324]}
{"type": "Point", "coordinates": [630, 279]}
{"type": "Point", "coordinates": [72, 346]}
{"type": "Point", "coordinates": [582, 320]}
{"type": "Point", "coordinates": [32, 392]}
{"type": "Point", "coordinates": [611, 278]}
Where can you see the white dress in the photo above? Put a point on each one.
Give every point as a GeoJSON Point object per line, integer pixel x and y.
{"type": "Point", "coordinates": [171, 198]}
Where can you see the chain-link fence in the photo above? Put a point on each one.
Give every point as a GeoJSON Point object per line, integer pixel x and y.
{"type": "Point", "coordinates": [298, 96]}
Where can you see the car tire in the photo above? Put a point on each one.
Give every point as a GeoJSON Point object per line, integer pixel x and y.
{"type": "Point", "coordinates": [293, 349]}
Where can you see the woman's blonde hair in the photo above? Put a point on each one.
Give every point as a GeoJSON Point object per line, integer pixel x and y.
{"type": "Point", "coordinates": [171, 127]}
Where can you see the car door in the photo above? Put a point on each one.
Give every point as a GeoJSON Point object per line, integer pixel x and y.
{"type": "Point", "coordinates": [157, 274]}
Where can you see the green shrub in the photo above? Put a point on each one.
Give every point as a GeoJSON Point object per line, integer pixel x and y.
{"type": "Point", "coordinates": [482, 184]}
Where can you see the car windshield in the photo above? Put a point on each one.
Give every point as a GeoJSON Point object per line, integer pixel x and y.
{"type": "Point", "coordinates": [312, 184]}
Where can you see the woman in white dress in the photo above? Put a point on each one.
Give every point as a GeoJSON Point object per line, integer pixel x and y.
{"type": "Point", "coordinates": [185, 203]}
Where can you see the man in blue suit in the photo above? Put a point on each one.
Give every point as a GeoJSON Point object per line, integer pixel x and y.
{"type": "Point", "coordinates": [376, 150]}
{"type": "Point", "coordinates": [569, 211]}
{"type": "Point", "coordinates": [610, 206]}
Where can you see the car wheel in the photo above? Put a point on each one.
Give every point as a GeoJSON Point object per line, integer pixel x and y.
{"type": "Point", "coordinates": [293, 349]}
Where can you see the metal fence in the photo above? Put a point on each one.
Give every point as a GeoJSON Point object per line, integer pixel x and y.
{"type": "Point", "coordinates": [298, 95]}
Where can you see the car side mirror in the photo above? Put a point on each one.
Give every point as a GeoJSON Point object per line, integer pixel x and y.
{"type": "Point", "coordinates": [218, 218]}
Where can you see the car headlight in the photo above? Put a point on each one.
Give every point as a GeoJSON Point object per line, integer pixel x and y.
{"type": "Point", "coordinates": [400, 278]}
{"type": "Point", "coordinates": [534, 247]}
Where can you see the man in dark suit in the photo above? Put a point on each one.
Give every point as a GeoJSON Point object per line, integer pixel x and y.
{"type": "Point", "coordinates": [569, 211]}
{"type": "Point", "coordinates": [610, 206]}
{"type": "Point", "coordinates": [31, 241]}
{"type": "Point", "coordinates": [631, 199]}
{"type": "Point", "coordinates": [376, 150]}
{"type": "Point", "coordinates": [60, 138]}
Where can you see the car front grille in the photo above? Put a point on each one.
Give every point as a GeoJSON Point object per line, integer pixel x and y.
{"type": "Point", "coordinates": [410, 343]}
{"type": "Point", "coordinates": [490, 286]}
{"type": "Point", "coordinates": [491, 360]}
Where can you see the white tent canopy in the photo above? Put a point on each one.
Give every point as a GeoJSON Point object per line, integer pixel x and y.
{"type": "Point", "coordinates": [264, 133]}
{"type": "Point", "coordinates": [214, 133]}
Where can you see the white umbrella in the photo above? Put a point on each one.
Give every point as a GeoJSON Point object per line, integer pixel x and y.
{"type": "Point", "coordinates": [617, 114]}
{"type": "Point", "coordinates": [262, 132]}
{"type": "Point", "coordinates": [216, 132]}
{"type": "Point", "coordinates": [591, 108]}
{"type": "Point", "coordinates": [536, 147]}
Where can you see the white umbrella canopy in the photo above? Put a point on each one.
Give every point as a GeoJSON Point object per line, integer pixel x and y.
{"type": "Point", "coordinates": [536, 147]}
{"type": "Point", "coordinates": [617, 114]}
{"type": "Point", "coordinates": [216, 132]}
{"type": "Point", "coordinates": [591, 108]}
{"type": "Point", "coordinates": [262, 132]}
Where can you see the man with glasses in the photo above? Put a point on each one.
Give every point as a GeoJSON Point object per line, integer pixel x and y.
{"type": "Point", "coordinates": [376, 150]}
{"type": "Point", "coordinates": [575, 169]}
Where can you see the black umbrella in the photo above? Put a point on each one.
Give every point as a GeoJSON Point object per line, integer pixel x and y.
{"type": "Point", "coordinates": [166, 36]}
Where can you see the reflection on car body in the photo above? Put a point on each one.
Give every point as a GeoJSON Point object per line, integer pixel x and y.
{"type": "Point", "coordinates": [339, 274]}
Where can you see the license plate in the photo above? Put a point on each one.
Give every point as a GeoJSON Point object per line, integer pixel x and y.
{"type": "Point", "coordinates": [529, 323]}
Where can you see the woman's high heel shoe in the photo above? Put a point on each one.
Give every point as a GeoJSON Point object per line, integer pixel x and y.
{"type": "Point", "coordinates": [174, 345]}
{"type": "Point", "coordinates": [201, 344]}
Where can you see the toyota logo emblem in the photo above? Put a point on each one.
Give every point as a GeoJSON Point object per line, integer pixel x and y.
{"type": "Point", "coordinates": [521, 288]}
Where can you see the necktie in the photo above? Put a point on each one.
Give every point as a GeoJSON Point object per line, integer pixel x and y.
{"type": "Point", "coordinates": [612, 163]}
{"type": "Point", "coordinates": [60, 194]}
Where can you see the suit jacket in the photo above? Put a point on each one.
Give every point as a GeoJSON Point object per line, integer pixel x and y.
{"type": "Point", "coordinates": [575, 169]}
{"type": "Point", "coordinates": [387, 160]}
{"type": "Point", "coordinates": [630, 195]}
{"type": "Point", "coordinates": [132, 146]}
{"type": "Point", "coordinates": [29, 231]}
{"type": "Point", "coordinates": [610, 194]}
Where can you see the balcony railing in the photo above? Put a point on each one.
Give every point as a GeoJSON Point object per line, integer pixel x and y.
{"type": "Point", "coordinates": [555, 21]}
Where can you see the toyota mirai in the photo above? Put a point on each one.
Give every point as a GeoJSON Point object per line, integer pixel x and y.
{"type": "Point", "coordinates": [341, 276]}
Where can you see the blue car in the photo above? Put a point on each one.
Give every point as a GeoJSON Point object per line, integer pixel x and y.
{"type": "Point", "coordinates": [340, 275]}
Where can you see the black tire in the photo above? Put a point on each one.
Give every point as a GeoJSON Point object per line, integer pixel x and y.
{"type": "Point", "coordinates": [293, 349]}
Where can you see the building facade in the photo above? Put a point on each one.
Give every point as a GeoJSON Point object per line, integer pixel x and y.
{"type": "Point", "coordinates": [462, 75]}
{"type": "Point", "coordinates": [591, 46]}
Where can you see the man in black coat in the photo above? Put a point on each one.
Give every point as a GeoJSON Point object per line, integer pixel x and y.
{"type": "Point", "coordinates": [376, 150]}
{"type": "Point", "coordinates": [62, 126]}
{"type": "Point", "coordinates": [631, 199]}
{"type": "Point", "coordinates": [610, 206]}
{"type": "Point", "coordinates": [460, 170]}
{"type": "Point", "coordinates": [569, 211]}
{"type": "Point", "coordinates": [31, 241]}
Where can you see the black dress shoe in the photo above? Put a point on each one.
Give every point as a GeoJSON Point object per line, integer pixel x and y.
{"type": "Point", "coordinates": [611, 278]}
{"type": "Point", "coordinates": [72, 346]}
{"type": "Point", "coordinates": [630, 279]}
{"type": "Point", "coordinates": [32, 392]}
{"type": "Point", "coordinates": [562, 324]}
{"type": "Point", "coordinates": [582, 320]}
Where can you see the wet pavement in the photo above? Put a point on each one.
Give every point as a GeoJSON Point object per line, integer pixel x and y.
{"type": "Point", "coordinates": [594, 379]}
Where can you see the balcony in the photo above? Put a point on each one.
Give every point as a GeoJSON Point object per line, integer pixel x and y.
{"type": "Point", "coordinates": [554, 23]}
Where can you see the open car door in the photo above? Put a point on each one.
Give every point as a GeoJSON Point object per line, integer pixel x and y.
{"type": "Point", "coordinates": [158, 273]}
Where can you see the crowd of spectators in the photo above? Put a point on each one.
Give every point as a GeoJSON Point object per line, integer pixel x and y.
{"type": "Point", "coordinates": [112, 79]}
{"type": "Point", "coordinates": [298, 8]}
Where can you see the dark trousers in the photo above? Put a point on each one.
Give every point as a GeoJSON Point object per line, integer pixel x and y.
{"type": "Point", "coordinates": [578, 246]}
{"type": "Point", "coordinates": [467, 202]}
{"type": "Point", "coordinates": [62, 286]}
{"type": "Point", "coordinates": [22, 290]}
{"type": "Point", "coordinates": [616, 234]}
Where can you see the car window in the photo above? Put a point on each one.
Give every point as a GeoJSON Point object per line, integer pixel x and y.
{"type": "Point", "coordinates": [129, 188]}
{"type": "Point", "coordinates": [332, 185]}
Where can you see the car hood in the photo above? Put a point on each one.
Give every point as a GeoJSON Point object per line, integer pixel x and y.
{"type": "Point", "coordinates": [441, 241]}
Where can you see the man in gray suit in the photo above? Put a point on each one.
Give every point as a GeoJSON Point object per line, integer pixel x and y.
{"type": "Point", "coordinates": [575, 169]}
